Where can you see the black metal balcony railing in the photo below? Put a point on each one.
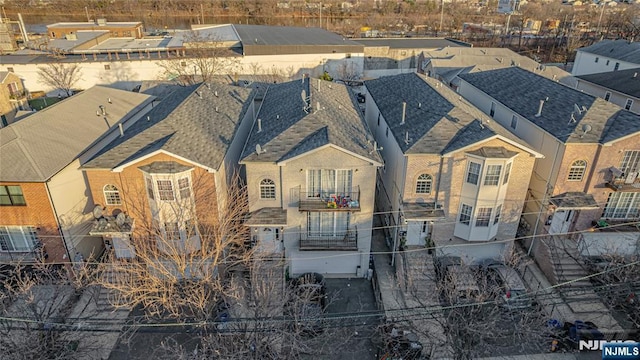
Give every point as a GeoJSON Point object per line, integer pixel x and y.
{"type": "Point", "coordinates": [17, 95]}
{"type": "Point", "coordinates": [324, 241]}
{"type": "Point", "coordinates": [329, 200]}
{"type": "Point", "coordinates": [623, 184]}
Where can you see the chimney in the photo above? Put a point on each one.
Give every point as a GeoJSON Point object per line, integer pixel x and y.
{"type": "Point", "coordinates": [404, 111]}
{"type": "Point", "coordinates": [635, 75]}
{"type": "Point", "coordinates": [540, 108]}
{"type": "Point", "coordinates": [121, 130]}
{"type": "Point", "coordinates": [317, 105]}
{"type": "Point", "coordinates": [215, 93]}
{"type": "Point", "coordinates": [259, 125]}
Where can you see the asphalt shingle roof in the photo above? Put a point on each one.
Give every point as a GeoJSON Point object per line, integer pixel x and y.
{"type": "Point", "coordinates": [623, 81]}
{"type": "Point", "coordinates": [37, 147]}
{"type": "Point", "coordinates": [193, 122]}
{"type": "Point", "coordinates": [289, 35]}
{"type": "Point", "coordinates": [437, 121]}
{"type": "Point", "coordinates": [521, 91]}
{"type": "Point", "coordinates": [288, 131]}
{"type": "Point", "coordinates": [616, 49]}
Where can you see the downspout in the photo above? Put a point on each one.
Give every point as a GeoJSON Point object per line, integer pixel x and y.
{"type": "Point", "coordinates": [55, 213]}
{"type": "Point", "coordinates": [395, 239]}
{"type": "Point", "coordinates": [544, 199]}
{"type": "Point", "coordinates": [439, 179]}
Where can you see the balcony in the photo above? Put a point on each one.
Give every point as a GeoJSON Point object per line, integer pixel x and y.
{"type": "Point", "coordinates": [329, 201]}
{"type": "Point", "coordinates": [624, 183]}
{"type": "Point", "coordinates": [17, 95]}
{"type": "Point", "coordinates": [332, 242]}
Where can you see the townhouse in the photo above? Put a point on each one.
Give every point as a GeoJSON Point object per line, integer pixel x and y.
{"type": "Point", "coordinates": [591, 148]}
{"type": "Point", "coordinates": [606, 56]}
{"type": "Point", "coordinates": [453, 179]}
{"type": "Point", "coordinates": [166, 178]}
{"type": "Point", "coordinates": [620, 87]}
{"type": "Point", "coordinates": [13, 97]}
{"type": "Point", "coordinates": [310, 166]}
{"type": "Point", "coordinates": [43, 197]}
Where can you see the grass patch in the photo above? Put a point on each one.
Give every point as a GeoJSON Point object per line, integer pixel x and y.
{"type": "Point", "coordinates": [43, 102]}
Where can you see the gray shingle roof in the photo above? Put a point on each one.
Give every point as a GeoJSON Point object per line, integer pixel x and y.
{"type": "Point", "coordinates": [521, 91]}
{"type": "Point", "coordinates": [437, 121]}
{"type": "Point", "coordinates": [288, 131]}
{"type": "Point", "coordinates": [37, 147]}
{"type": "Point", "coordinates": [623, 81]}
{"type": "Point", "coordinates": [289, 35]}
{"type": "Point", "coordinates": [192, 123]}
{"type": "Point", "coordinates": [616, 49]}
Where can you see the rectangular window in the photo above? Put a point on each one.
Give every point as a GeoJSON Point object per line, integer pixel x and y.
{"type": "Point", "coordinates": [18, 238]}
{"type": "Point", "coordinates": [165, 190]}
{"type": "Point", "coordinates": [628, 104]}
{"type": "Point", "coordinates": [622, 205]}
{"type": "Point", "coordinates": [424, 227]}
{"type": "Point", "coordinates": [465, 214]}
{"type": "Point", "coordinates": [378, 119]}
{"type": "Point", "coordinates": [607, 62]}
{"type": "Point", "coordinates": [150, 188]}
{"type": "Point", "coordinates": [172, 231]}
{"type": "Point", "coordinates": [387, 132]}
{"type": "Point", "coordinates": [630, 162]}
{"type": "Point", "coordinates": [597, 58]}
{"type": "Point", "coordinates": [474, 173]}
{"type": "Point", "coordinates": [616, 67]}
{"type": "Point", "coordinates": [190, 228]}
{"type": "Point", "coordinates": [184, 188]}
{"type": "Point", "coordinates": [324, 182]}
{"type": "Point", "coordinates": [607, 95]}
{"type": "Point", "coordinates": [493, 109]}
{"type": "Point", "coordinates": [483, 217]}
{"type": "Point", "coordinates": [107, 67]}
{"type": "Point", "coordinates": [492, 178]}
{"type": "Point", "coordinates": [10, 69]}
{"type": "Point", "coordinates": [11, 195]}
{"type": "Point", "coordinates": [514, 122]}
{"type": "Point", "coordinates": [496, 219]}
{"type": "Point", "coordinates": [507, 172]}
{"type": "Point", "coordinates": [327, 224]}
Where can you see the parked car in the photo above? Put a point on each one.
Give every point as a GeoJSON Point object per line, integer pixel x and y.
{"type": "Point", "coordinates": [307, 303]}
{"type": "Point", "coordinates": [458, 282]}
{"type": "Point", "coordinates": [361, 98]}
{"type": "Point", "coordinates": [507, 285]}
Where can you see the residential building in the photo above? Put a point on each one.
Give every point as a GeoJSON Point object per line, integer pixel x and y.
{"type": "Point", "coordinates": [446, 64]}
{"type": "Point", "coordinates": [168, 174]}
{"type": "Point", "coordinates": [13, 97]}
{"type": "Point", "coordinates": [591, 148]}
{"type": "Point", "coordinates": [43, 194]}
{"type": "Point", "coordinates": [310, 171]}
{"type": "Point", "coordinates": [452, 178]}
{"type": "Point", "coordinates": [131, 29]}
{"type": "Point", "coordinates": [620, 87]}
{"type": "Point", "coordinates": [606, 56]}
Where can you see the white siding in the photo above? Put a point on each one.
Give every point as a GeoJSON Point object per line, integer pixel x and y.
{"type": "Point", "coordinates": [585, 63]}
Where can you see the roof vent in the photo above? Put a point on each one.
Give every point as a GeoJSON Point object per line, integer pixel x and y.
{"type": "Point", "coordinates": [215, 93]}
{"type": "Point", "coordinates": [419, 105]}
{"type": "Point", "coordinates": [539, 113]}
{"type": "Point", "coordinates": [635, 75]}
{"type": "Point", "coordinates": [406, 138]}
{"type": "Point", "coordinates": [109, 100]}
{"type": "Point", "coordinates": [259, 126]}
{"type": "Point", "coordinates": [404, 112]}
{"type": "Point", "coordinates": [121, 130]}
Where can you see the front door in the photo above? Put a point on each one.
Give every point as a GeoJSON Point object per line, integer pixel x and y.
{"type": "Point", "coordinates": [561, 221]}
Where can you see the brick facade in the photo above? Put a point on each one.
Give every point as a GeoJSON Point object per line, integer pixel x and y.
{"type": "Point", "coordinates": [38, 213]}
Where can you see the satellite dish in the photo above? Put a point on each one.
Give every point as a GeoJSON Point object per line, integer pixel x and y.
{"type": "Point", "coordinates": [121, 219]}
{"type": "Point", "coordinates": [260, 150]}
{"type": "Point", "coordinates": [304, 95]}
{"type": "Point", "coordinates": [586, 128]}
{"type": "Point", "coordinates": [97, 212]}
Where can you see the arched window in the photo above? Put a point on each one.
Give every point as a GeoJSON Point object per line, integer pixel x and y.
{"type": "Point", "coordinates": [577, 169]}
{"type": "Point", "coordinates": [423, 184]}
{"type": "Point", "coordinates": [267, 189]}
{"type": "Point", "coordinates": [111, 195]}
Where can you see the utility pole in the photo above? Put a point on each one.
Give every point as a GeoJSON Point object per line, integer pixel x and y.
{"type": "Point", "coordinates": [321, 15]}
{"type": "Point", "coordinates": [202, 12]}
{"type": "Point", "coordinates": [441, 15]}
{"type": "Point", "coordinates": [86, 11]}
{"type": "Point", "coordinates": [600, 19]}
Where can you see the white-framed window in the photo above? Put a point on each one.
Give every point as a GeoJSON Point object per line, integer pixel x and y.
{"type": "Point", "coordinates": [18, 238]}
{"type": "Point", "coordinates": [514, 121]}
{"type": "Point", "coordinates": [465, 214]}
{"type": "Point", "coordinates": [473, 173]}
{"type": "Point", "coordinates": [507, 172]}
{"type": "Point", "coordinates": [172, 231]}
{"type": "Point", "coordinates": [267, 189]}
{"type": "Point", "coordinates": [150, 193]}
{"type": "Point", "coordinates": [577, 170]}
{"type": "Point", "coordinates": [165, 190]}
{"type": "Point", "coordinates": [628, 104]}
{"type": "Point", "coordinates": [324, 182]}
{"type": "Point", "coordinates": [630, 162]}
{"type": "Point", "coordinates": [622, 205]}
{"type": "Point", "coordinates": [483, 217]}
{"type": "Point", "coordinates": [111, 195]}
{"type": "Point", "coordinates": [607, 95]}
{"type": "Point", "coordinates": [424, 184]}
{"type": "Point", "coordinates": [184, 188]}
{"type": "Point", "coordinates": [327, 224]}
{"type": "Point", "coordinates": [496, 217]}
{"type": "Point", "coordinates": [492, 176]}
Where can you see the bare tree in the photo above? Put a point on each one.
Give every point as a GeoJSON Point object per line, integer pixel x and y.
{"type": "Point", "coordinates": [203, 58]}
{"type": "Point", "coordinates": [60, 76]}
